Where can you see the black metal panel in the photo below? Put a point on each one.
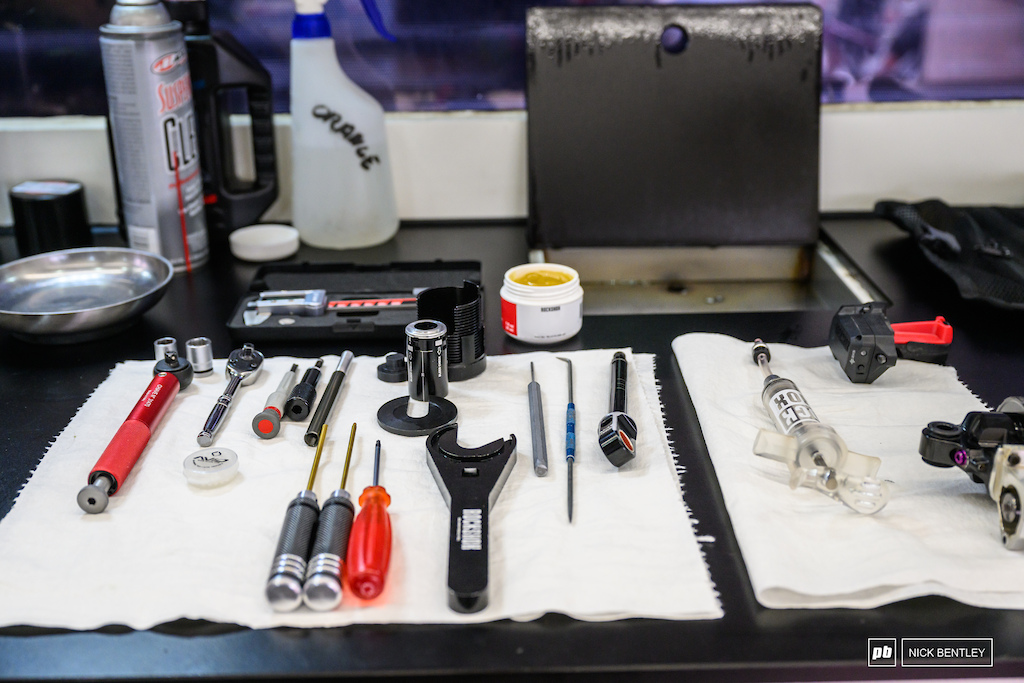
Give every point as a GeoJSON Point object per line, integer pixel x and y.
{"type": "Point", "coordinates": [632, 145]}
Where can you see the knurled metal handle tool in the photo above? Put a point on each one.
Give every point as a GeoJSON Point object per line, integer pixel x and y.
{"type": "Point", "coordinates": [288, 569]}
{"type": "Point", "coordinates": [470, 480]}
{"type": "Point", "coordinates": [322, 590]}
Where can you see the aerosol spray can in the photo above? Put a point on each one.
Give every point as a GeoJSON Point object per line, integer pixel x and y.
{"type": "Point", "coordinates": [153, 122]}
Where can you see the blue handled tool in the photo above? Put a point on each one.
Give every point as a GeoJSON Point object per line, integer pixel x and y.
{"type": "Point", "coordinates": [570, 434]}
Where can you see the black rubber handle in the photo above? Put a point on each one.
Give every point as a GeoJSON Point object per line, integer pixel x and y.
{"type": "Point", "coordinates": [334, 528]}
{"type": "Point", "coordinates": [297, 530]}
{"type": "Point", "coordinates": [619, 369]}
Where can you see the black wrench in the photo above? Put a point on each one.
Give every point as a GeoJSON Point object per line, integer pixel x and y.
{"type": "Point", "coordinates": [470, 480]}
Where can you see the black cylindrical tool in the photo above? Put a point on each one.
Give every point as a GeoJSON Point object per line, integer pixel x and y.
{"type": "Point", "coordinates": [616, 432]}
{"type": "Point", "coordinates": [304, 393]}
{"type": "Point", "coordinates": [461, 311]}
{"type": "Point", "coordinates": [425, 409]}
{"type": "Point", "coordinates": [330, 395]}
{"type": "Point", "coordinates": [49, 215]}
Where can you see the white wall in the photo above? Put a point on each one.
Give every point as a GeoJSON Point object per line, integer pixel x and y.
{"type": "Point", "coordinates": [471, 165]}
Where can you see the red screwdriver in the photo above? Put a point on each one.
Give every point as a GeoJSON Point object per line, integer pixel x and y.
{"type": "Point", "coordinates": [369, 546]}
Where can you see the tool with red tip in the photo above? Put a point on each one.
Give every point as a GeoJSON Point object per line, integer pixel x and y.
{"type": "Point", "coordinates": [171, 374]}
{"type": "Point", "coordinates": [369, 546]}
{"type": "Point", "coordinates": [267, 424]}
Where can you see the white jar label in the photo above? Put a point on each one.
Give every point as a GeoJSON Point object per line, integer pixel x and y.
{"type": "Point", "coordinates": [538, 323]}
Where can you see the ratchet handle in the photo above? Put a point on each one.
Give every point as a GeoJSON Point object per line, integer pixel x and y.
{"type": "Point", "coordinates": [124, 450]}
{"type": "Point", "coordinates": [220, 409]}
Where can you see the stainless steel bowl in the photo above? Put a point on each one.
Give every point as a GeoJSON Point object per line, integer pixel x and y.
{"type": "Point", "coordinates": [76, 292]}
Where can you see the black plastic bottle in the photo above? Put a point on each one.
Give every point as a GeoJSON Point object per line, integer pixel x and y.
{"type": "Point", "coordinates": [220, 64]}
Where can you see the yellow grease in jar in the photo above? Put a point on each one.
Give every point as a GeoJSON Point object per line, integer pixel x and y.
{"type": "Point", "coordinates": [541, 278]}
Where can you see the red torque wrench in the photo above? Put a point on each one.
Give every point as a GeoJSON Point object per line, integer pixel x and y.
{"type": "Point", "coordinates": [171, 374]}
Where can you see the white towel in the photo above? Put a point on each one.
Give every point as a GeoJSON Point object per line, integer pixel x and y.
{"type": "Point", "coordinates": [939, 533]}
{"type": "Point", "coordinates": [165, 550]}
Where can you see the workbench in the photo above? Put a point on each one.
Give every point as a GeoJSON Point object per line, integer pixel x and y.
{"type": "Point", "coordinates": [41, 388]}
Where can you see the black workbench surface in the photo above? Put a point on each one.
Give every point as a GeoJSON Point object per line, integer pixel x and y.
{"type": "Point", "coordinates": [41, 388]}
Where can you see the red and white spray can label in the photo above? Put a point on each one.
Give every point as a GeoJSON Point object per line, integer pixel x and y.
{"type": "Point", "coordinates": [156, 143]}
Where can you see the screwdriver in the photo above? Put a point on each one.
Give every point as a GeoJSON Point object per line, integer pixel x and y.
{"type": "Point", "coordinates": [284, 587]}
{"type": "Point", "coordinates": [322, 591]}
{"type": "Point", "coordinates": [570, 435]}
{"type": "Point", "coordinates": [369, 547]}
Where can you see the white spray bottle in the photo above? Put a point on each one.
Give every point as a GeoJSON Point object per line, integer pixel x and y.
{"type": "Point", "coordinates": [343, 195]}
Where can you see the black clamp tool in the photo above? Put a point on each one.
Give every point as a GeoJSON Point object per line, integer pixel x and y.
{"type": "Point", "coordinates": [617, 431]}
{"type": "Point", "coordinates": [470, 480]}
{"type": "Point", "coordinates": [866, 344]}
{"type": "Point", "coordinates": [989, 447]}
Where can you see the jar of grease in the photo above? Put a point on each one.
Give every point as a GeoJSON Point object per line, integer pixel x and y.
{"type": "Point", "coordinates": [541, 303]}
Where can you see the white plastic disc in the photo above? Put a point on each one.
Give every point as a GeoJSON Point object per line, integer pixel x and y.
{"type": "Point", "coordinates": [211, 466]}
{"type": "Point", "coordinates": [258, 243]}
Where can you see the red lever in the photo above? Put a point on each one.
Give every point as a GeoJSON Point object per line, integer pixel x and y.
{"type": "Point", "coordinates": [936, 331]}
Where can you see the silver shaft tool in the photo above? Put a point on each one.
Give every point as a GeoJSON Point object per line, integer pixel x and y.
{"type": "Point", "coordinates": [540, 446]}
{"type": "Point", "coordinates": [570, 434]}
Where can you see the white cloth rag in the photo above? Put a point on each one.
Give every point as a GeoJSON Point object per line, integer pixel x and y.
{"type": "Point", "coordinates": [165, 549]}
{"type": "Point", "coordinates": [939, 533]}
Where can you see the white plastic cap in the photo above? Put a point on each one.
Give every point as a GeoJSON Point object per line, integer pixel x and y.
{"type": "Point", "coordinates": [261, 243]}
{"type": "Point", "coordinates": [211, 467]}
{"type": "Point", "coordinates": [310, 6]}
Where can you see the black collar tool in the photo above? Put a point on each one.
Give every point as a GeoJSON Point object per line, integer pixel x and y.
{"type": "Point", "coordinates": [617, 431]}
{"type": "Point", "coordinates": [470, 480]}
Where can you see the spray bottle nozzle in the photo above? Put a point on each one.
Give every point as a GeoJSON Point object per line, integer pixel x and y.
{"type": "Point", "coordinates": [373, 14]}
{"type": "Point", "coordinates": [310, 21]}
